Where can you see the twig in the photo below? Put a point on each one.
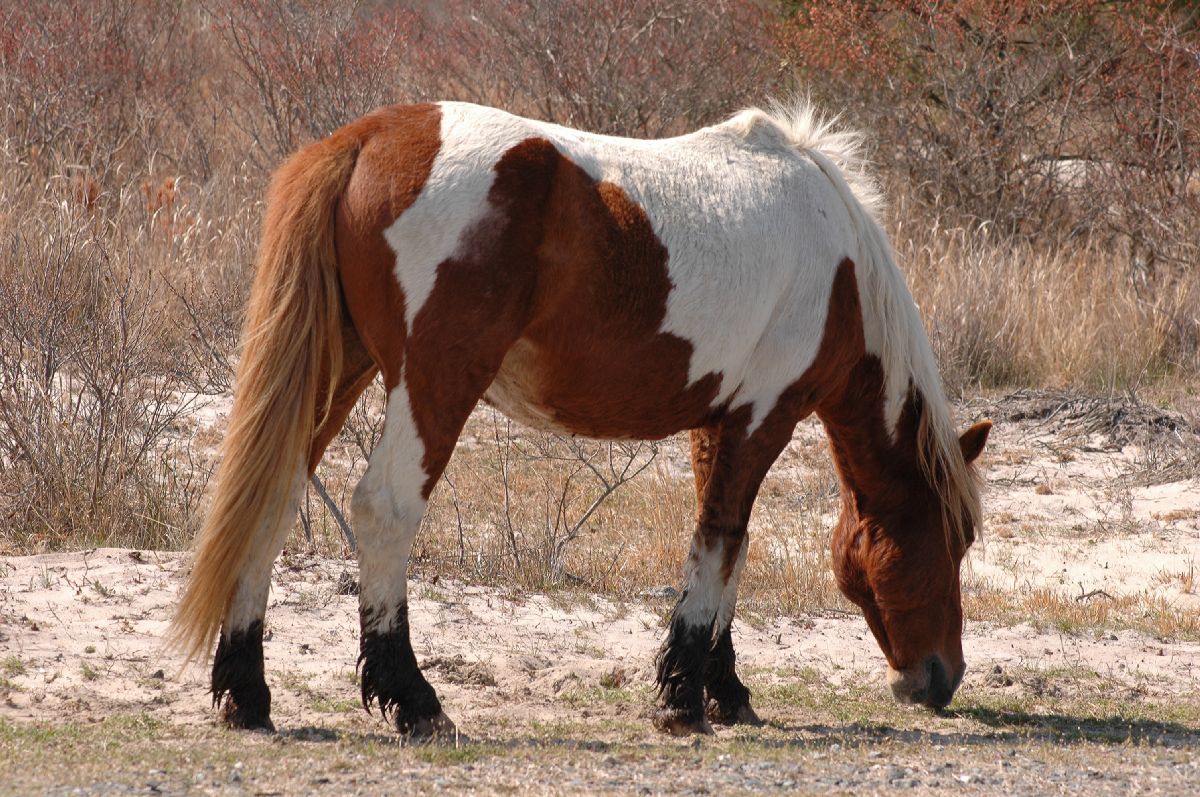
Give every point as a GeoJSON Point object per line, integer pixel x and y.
{"type": "Point", "coordinates": [1082, 596]}
{"type": "Point", "coordinates": [337, 513]}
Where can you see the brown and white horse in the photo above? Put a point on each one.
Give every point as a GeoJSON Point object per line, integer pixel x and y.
{"type": "Point", "coordinates": [730, 281]}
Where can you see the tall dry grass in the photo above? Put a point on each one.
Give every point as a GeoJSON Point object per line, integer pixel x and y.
{"type": "Point", "coordinates": [119, 311]}
{"type": "Point", "coordinates": [1005, 312]}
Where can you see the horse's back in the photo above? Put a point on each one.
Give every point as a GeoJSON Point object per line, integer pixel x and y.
{"type": "Point", "coordinates": [643, 278]}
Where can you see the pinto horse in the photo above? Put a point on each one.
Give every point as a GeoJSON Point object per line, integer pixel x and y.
{"type": "Point", "coordinates": [730, 282]}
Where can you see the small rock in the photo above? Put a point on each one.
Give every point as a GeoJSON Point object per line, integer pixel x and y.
{"type": "Point", "coordinates": [158, 675]}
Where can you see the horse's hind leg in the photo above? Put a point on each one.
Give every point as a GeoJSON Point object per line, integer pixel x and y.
{"type": "Point", "coordinates": [238, 676]}
{"type": "Point", "coordinates": [388, 504]}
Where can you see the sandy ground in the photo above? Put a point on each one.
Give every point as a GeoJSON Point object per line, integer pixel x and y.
{"type": "Point", "coordinates": [1070, 509]}
{"type": "Point", "coordinates": [87, 628]}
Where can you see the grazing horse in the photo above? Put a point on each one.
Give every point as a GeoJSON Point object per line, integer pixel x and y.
{"type": "Point", "coordinates": [731, 282]}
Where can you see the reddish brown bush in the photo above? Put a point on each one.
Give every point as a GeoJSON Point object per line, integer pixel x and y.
{"type": "Point", "coordinates": [92, 80]}
{"type": "Point", "coordinates": [1042, 117]}
{"type": "Point", "coordinates": [309, 66]}
{"type": "Point", "coordinates": [627, 67]}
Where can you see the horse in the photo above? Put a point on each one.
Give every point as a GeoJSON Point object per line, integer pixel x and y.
{"type": "Point", "coordinates": [730, 282]}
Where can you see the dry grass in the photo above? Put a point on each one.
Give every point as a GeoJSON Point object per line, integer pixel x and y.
{"type": "Point", "coordinates": [118, 314]}
{"type": "Point", "coordinates": [1003, 313]}
{"type": "Point", "coordinates": [1044, 607]}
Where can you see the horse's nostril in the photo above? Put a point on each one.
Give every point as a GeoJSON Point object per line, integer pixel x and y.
{"type": "Point", "coordinates": [940, 690]}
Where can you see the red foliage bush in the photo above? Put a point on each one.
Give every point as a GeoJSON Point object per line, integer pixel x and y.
{"type": "Point", "coordinates": [89, 79]}
{"type": "Point", "coordinates": [309, 66]}
{"type": "Point", "coordinates": [1074, 117]}
{"type": "Point", "coordinates": [626, 67]}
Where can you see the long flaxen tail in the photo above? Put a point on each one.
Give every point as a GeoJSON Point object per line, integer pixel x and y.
{"type": "Point", "coordinates": [290, 364]}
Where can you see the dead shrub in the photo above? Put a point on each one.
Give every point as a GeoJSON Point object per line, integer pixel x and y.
{"type": "Point", "coordinates": [643, 68]}
{"type": "Point", "coordinates": [92, 81]}
{"type": "Point", "coordinates": [307, 67]}
{"type": "Point", "coordinates": [1045, 119]}
{"type": "Point", "coordinates": [89, 399]}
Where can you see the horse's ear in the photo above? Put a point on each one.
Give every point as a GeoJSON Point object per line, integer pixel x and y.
{"type": "Point", "coordinates": [972, 440]}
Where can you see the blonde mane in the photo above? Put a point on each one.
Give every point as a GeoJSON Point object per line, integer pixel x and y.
{"type": "Point", "coordinates": [893, 326]}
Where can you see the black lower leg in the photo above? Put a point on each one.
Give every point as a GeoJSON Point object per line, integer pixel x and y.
{"type": "Point", "coordinates": [727, 695]}
{"type": "Point", "coordinates": [238, 681]}
{"type": "Point", "coordinates": [680, 668]}
{"type": "Point", "coordinates": [390, 675]}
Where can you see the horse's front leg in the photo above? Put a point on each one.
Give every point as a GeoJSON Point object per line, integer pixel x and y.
{"type": "Point", "coordinates": [728, 697]}
{"type": "Point", "coordinates": [683, 661]}
{"type": "Point", "coordinates": [729, 465]}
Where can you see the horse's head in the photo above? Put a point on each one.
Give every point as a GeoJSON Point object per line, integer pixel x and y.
{"type": "Point", "coordinates": [897, 550]}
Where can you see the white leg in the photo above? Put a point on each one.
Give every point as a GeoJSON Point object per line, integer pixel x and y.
{"type": "Point", "coordinates": [238, 676]}
{"type": "Point", "coordinates": [387, 507]}
{"type": "Point", "coordinates": [729, 594]}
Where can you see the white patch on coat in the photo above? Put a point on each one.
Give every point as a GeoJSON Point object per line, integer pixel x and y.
{"type": "Point", "coordinates": [515, 385]}
{"type": "Point", "coordinates": [387, 507]}
{"type": "Point", "coordinates": [703, 586]}
{"type": "Point", "coordinates": [453, 199]}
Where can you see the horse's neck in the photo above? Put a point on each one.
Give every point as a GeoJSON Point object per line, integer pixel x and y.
{"type": "Point", "coordinates": [868, 454]}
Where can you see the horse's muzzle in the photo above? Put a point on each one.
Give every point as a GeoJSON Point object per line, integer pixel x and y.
{"type": "Point", "coordinates": [928, 684]}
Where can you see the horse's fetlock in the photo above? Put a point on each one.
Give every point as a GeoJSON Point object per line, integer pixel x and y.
{"type": "Point", "coordinates": [239, 684]}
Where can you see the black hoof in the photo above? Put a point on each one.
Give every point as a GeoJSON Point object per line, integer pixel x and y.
{"type": "Point", "coordinates": [240, 719]}
{"type": "Point", "coordinates": [426, 730]}
{"type": "Point", "coordinates": [732, 715]}
{"type": "Point", "coordinates": [681, 722]}
{"type": "Point", "coordinates": [238, 683]}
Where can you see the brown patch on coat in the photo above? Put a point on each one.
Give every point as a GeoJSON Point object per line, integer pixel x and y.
{"type": "Point", "coordinates": [564, 287]}
{"type": "Point", "coordinates": [358, 369]}
{"type": "Point", "coordinates": [479, 303]}
{"type": "Point", "coordinates": [399, 146]}
{"type": "Point", "coordinates": [593, 353]}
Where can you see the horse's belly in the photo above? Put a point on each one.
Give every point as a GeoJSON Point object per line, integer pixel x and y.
{"type": "Point", "coordinates": [572, 393]}
{"type": "Point", "coordinates": [514, 390]}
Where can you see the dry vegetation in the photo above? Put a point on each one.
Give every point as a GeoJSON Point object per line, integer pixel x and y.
{"type": "Point", "coordinates": [1043, 192]}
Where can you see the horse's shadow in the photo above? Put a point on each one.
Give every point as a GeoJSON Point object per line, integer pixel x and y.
{"type": "Point", "coordinates": [1008, 726]}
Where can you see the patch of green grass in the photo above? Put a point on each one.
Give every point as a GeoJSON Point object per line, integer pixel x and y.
{"type": "Point", "coordinates": [297, 682]}
{"type": "Point", "coordinates": [581, 696]}
{"type": "Point", "coordinates": [449, 755]}
{"type": "Point", "coordinates": [1093, 718]}
{"type": "Point", "coordinates": [113, 729]}
{"type": "Point", "coordinates": [89, 673]}
{"type": "Point", "coordinates": [13, 666]}
{"type": "Point", "coordinates": [103, 591]}
{"type": "Point", "coordinates": [327, 705]}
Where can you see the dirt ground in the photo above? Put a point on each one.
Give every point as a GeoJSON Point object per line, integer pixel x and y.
{"type": "Point", "coordinates": [553, 691]}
